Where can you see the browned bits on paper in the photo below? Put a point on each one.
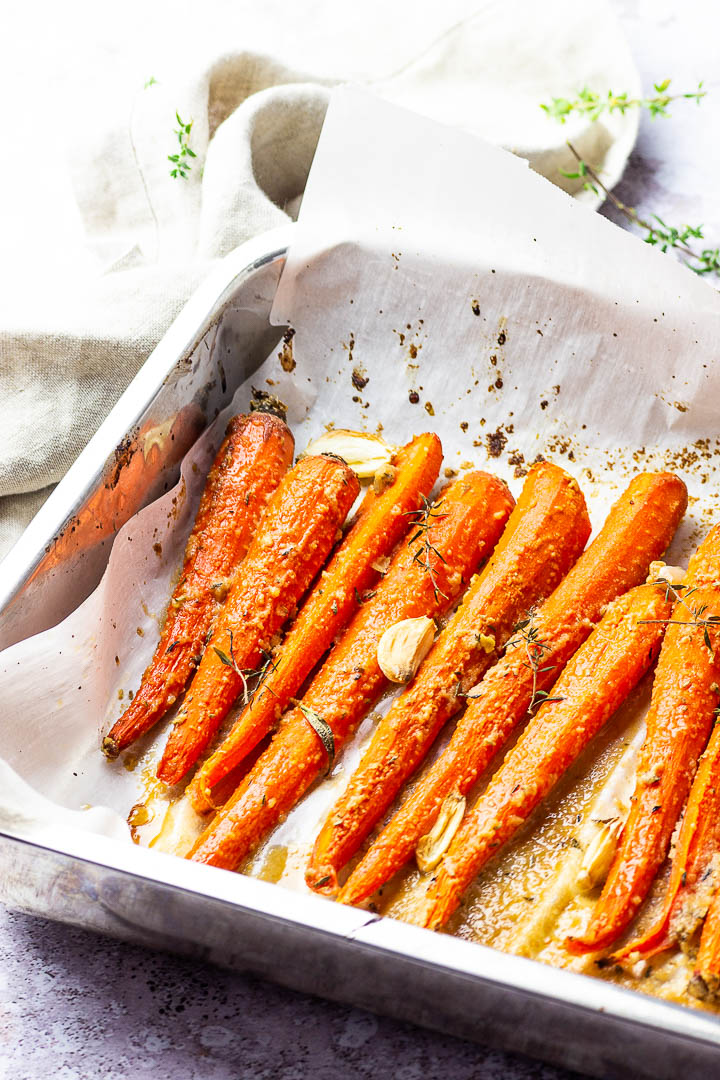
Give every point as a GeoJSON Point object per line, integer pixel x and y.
{"type": "Point", "coordinates": [413, 397]}
{"type": "Point", "coordinates": [429, 408]}
{"type": "Point", "coordinates": [359, 380]}
{"type": "Point", "coordinates": [475, 307]}
{"type": "Point", "coordinates": [285, 356]}
{"type": "Point", "coordinates": [496, 441]}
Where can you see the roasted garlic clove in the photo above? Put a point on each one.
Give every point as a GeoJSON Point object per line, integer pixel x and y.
{"type": "Point", "coordinates": [404, 646]}
{"type": "Point", "coordinates": [660, 571]}
{"type": "Point", "coordinates": [434, 844]}
{"type": "Point", "coordinates": [367, 455]}
{"type": "Point", "coordinates": [599, 854]}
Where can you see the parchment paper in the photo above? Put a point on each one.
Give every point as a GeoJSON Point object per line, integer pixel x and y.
{"type": "Point", "coordinates": [476, 300]}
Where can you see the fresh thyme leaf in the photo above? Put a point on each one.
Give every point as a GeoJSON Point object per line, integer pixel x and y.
{"type": "Point", "coordinates": [588, 103]}
{"type": "Point", "coordinates": [666, 237]}
{"type": "Point", "coordinates": [323, 730]}
{"type": "Point", "coordinates": [180, 160]}
{"type": "Point", "coordinates": [526, 635]}
{"type": "Point", "coordinates": [323, 881]}
{"type": "Point", "coordinates": [422, 556]}
{"type": "Point", "coordinates": [224, 658]}
{"type": "Point", "coordinates": [152, 81]}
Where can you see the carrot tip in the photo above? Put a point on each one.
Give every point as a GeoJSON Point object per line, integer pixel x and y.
{"type": "Point", "coordinates": [698, 987]}
{"type": "Point", "coordinates": [323, 880]}
{"type": "Point", "coordinates": [110, 748]}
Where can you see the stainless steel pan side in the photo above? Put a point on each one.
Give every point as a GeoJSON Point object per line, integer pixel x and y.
{"type": "Point", "coordinates": [219, 337]}
{"type": "Point", "coordinates": [348, 955]}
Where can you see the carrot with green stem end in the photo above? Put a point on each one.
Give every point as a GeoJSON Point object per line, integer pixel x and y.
{"type": "Point", "coordinates": [593, 685]}
{"type": "Point", "coordinates": [427, 572]}
{"type": "Point", "coordinates": [545, 534]}
{"type": "Point", "coordinates": [637, 531]}
{"type": "Point", "coordinates": [293, 540]}
{"type": "Point", "coordinates": [250, 464]}
{"type": "Point", "coordinates": [378, 525]}
{"type": "Point", "coordinates": [705, 981]}
{"type": "Point", "coordinates": [679, 722]}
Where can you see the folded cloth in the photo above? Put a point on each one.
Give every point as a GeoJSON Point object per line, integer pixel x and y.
{"type": "Point", "coordinates": [122, 243]}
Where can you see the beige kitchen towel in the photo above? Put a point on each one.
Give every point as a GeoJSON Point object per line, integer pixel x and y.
{"type": "Point", "coordinates": [102, 245]}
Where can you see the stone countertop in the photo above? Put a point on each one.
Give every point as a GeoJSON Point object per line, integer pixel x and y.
{"type": "Point", "coordinates": [79, 1006]}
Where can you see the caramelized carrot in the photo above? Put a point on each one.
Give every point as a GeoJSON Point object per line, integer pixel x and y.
{"type": "Point", "coordinates": [427, 572]}
{"type": "Point", "coordinates": [594, 684]}
{"type": "Point", "coordinates": [546, 533]}
{"type": "Point", "coordinates": [255, 454]}
{"type": "Point", "coordinates": [290, 546]}
{"type": "Point", "coordinates": [679, 722]}
{"type": "Point", "coordinates": [693, 877]}
{"type": "Point", "coordinates": [379, 524]}
{"type": "Point", "coordinates": [638, 529]}
{"type": "Point", "coordinates": [705, 982]}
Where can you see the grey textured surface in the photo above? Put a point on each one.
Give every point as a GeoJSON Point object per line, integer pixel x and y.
{"type": "Point", "coordinates": [78, 1006]}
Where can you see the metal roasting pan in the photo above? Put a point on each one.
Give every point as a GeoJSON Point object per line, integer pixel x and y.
{"type": "Point", "coordinates": [305, 942]}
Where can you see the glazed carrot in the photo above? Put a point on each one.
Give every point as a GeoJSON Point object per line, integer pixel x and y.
{"type": "Point", "coordinates": [594, 684]}
{"type": "Point", "coordinates": [379, 524]}
{"type": "Point", "coordinates": [426, 574]}
{"type": "Point", "coordinates": [693, 877]}
{"type": "Point", "coordinates": [255, 454]}
{"type": "Point", "coordinates": [638, 529]}
{"type": "Point", "coordinates": [291, 544]}
{"type": "Point", "coordinates": [545, 534]}
{"type": "Point", "coordinates": [705, 981]}
{"type": "Point", "coordinates": [679, 722]}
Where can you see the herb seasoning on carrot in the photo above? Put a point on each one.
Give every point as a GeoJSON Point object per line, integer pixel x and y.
{"type": "Point", "coordinates": [594, 684]}
{"type": "Point", "coordinates": [461, 530]}
{"type": "Point", "coordinates": [545, 534]}
{"type": "Point", "coordinates": [255, 454]}
{"type": "Point", "coordinates": [679, 722]}
{"type": "Point", "coordinates": [638, 529]}
{"type": "Point", "coordinates": [378, 525]}
{"type": "Point", "coordinates": [291, 544]}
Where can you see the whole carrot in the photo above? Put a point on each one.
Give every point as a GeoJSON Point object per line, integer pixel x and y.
{"type": "Point", "coordinates": [594, 684]}
{"type": "Point", "coordinates": [705, 982]}
{"type": "Point", "coordinates": [693, 877]}
{"type": "Point", "coordinates": [379, 524]}
{"type": "Point", "coordinates": [255, 454]}
{"type": "Point", "coordinates": [545, 534]}
{"type": "Point", "coordinates": [291, 544]}
{"type": "Point", "coordinates": [679, 722]}
{"type": "Point", "coordinates": [637, 531]}
{"type": "Point", "coordinates": [427, 572]}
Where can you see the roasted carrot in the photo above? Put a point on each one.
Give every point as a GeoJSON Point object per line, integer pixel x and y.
{"type": "Point", "coordinates": [594, 684]}
{"type": "Point", "coordinates": [426, 574]}
{"type": "Point", "coordinates": [638, 529]}
{"type": "Point", "coordinates": [545, 534]}
{"type": "Point", "coordinates": [679, 722]}
{"type": "Point", "coordinates": [379, 524]}
{"type": "Point", "coordinates": [705, 982]}
{"type": "Point", "coordinates": [293, 540]}
{"type": "Point", "coordinates": [255, 454]}
{"type": "Point", "coordinates": [693, 877]}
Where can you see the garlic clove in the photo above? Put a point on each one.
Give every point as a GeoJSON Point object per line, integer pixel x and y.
{"type": "Point", "coordinates": [367, 455]}
{"type": "Point", "coordinates": [599, 854]}
{"type": "Point", "coordinates": [660, 571]}
{"type": "Point", "coordinates": [404, 646]}
{"type": "Point", "coordinates": [433, 845]}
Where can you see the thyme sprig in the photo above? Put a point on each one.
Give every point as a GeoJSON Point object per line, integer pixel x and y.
{"type": "Point", "coordinates": [247, 675]}
{"type": "Point", "coordinates": [588, 103]}
{"type": "Point", "coordinates": [182, 165]}
{"type": "Point", "coordinates": [526, 635]}
{"type": "Point", "coordinates": [424, 519]}
{"type": "Point", "coordinates": [674, 593]}
{"type": "Point", "coordinates": [705, 261]}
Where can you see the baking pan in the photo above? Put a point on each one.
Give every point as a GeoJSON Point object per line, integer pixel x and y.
{"type": "Point", "coordinates": [305, 942]}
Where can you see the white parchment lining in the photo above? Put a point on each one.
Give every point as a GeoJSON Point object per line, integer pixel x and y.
{"type": "Point", "coordinates": [477, 300]}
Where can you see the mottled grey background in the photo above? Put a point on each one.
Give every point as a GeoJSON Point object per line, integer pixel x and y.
{"type": "Point", "coordinates": [75, 1005]}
